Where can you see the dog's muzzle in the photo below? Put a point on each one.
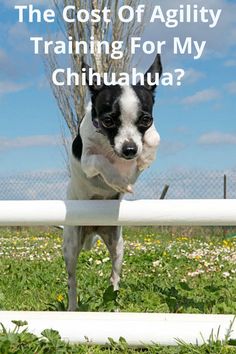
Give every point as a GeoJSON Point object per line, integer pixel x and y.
{"type": "Point", "coordinates": [129, 150]}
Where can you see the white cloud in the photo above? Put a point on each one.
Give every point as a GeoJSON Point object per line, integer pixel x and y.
{"type": "Point", "coordinates": [17, 62]}
{"type": "Point", "coordinates": [7, 87]}
{"type": "Point", "coordinates": [181, 129]}
{"type": "Point", "coordinates": [216, 138]}
{"type": "Point", "coordinates": [10, 69]}
{"type": "Point", "coordinates": [7, 66]}
{"type": "Point", "coordinates": [29, 141]}
{"type": "Point", "coordinates": [43, 83]}
{"type": "Point", "coordinates": [3, 55]}
{"type": "Point", "coordinates": [191, 76]}
{"type": "Point", "coordinates": [201, 96]}
{"type": "Point", "coordinates": [19, 37]}
{"type": "Point", "coordinates": [12, 3]}
{"type": "Point", "coordinates": [231, 87]}
{"type": "Point", "coordinates": [171, 147]}
{"type": "Point", "coordinates": [230, 63]}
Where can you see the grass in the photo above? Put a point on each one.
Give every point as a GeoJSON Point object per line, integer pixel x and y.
{"type": "Point", "coordinates": [162, 272]}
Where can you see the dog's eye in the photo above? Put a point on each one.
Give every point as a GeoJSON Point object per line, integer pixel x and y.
{"type": "Point", "coordinates": [145, 121]}
{"type": "Point", "coordinates": [108, 122]}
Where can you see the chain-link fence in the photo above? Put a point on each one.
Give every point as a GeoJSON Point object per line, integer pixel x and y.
{"type": "Point", "coordinates": [187, 184]}
{"type": "Point", "coordinates": [182, 185]}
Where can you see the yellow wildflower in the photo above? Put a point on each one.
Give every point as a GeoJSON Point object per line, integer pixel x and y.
{"type": "Point", "coordinates": [198, 257]}
{"type": "Point", "coordinates": [99, 242]}
{"type": "Point", "coordinates": [226, 244]}
{"type": "Point", "coordinates": [60, 298]}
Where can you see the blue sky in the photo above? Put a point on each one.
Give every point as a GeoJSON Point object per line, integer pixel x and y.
{"type": "Point", "coordinates": [196, 121]}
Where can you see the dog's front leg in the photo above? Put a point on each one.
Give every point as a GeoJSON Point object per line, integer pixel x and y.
{"type": "Point", "coordinates": [112, 236]}
{"type": "Point", "coordinates": [72, 245]}
{"type": "Point", "coordinates": [151, 141]}
{"type": "Point", "coordinates": [94, 165]}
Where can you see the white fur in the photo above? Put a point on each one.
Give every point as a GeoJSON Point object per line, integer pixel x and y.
{"type": "Point", "coordinates": [129, 104]}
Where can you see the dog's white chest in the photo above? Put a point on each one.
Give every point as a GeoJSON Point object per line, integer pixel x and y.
{"type": "Point", "coordinates": [126, 168]}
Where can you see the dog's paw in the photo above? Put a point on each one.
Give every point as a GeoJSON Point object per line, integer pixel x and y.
{"type": "Point", "coordinates": [121, 185]}
{"type": "Point", "coordinates": [129, 189]}
{"type": "Point", "coordinates": [123, 189]}
{"type": "Point", "coordinates": [143, 164]}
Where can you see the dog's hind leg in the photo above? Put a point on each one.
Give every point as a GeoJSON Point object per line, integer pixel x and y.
{"type": "Point", "coordinates": [112, 236]}
{"type": "Point", "coordinates": [72, 246]}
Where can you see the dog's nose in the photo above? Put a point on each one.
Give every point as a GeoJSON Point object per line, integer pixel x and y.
{"type": "Point", "coordinates": [129, 150]}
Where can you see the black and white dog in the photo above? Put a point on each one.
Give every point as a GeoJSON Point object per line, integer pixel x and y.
{"type": "Point", "coordinates": [117, 140]}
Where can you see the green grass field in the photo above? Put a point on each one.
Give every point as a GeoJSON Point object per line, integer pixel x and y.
{"type": "Point", "coordinates": [162, 272]}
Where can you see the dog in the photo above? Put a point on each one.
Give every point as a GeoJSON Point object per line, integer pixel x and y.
{"type": "Point", "coordinates": [116, 141]}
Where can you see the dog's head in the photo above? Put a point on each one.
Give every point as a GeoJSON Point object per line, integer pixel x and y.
{"type": "Point", "coordinates": [124, 113]}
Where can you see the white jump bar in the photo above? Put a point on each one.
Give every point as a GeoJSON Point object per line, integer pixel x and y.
{"type": "Point", "coordinates": [139, 329]}
{"type": "Point", "coordinates": [113, 212]}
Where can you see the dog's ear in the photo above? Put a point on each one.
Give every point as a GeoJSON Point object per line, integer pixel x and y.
{"type": "Point", "coordinates": [155, 68]}
{"type": "Point", "coordinates": [93, 85]}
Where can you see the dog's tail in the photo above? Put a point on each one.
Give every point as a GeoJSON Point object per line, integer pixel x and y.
{"type": "Point", "coordinates": [90, 241]}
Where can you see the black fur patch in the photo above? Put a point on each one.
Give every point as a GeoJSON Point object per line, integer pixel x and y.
{"type": "Point", "coordinates": [77, 147]}
{"type": "Point", "coordinates": [105, 102]}
{"type": "Point", "coordinates": [146, 98]}
{"type": "Point", "coordinates": [147, 101]}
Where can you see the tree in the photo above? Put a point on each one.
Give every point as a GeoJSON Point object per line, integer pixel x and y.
{"type": "Point", "coordinates": [71, 100]}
